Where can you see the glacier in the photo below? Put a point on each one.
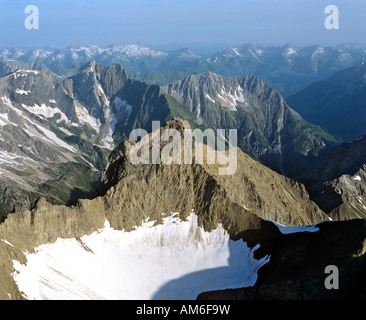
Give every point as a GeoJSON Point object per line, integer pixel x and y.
{"type": "Point", "coordinates": [175, 260]}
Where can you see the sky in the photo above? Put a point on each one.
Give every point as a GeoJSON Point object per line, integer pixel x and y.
{"type": "Point", "coordinates": [171, 24]}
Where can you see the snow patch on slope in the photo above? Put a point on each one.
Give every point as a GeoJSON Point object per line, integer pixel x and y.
{"type": "Point", "coordinates": [3, 119]}
{"type": "Point", "coordinates": [7, 101]}
{"type": "Point", "coordinates": [117, 110]}
{"type": "Point", "coordinates": [46, 111]}
{"type": "Point", "coordinates": [20, 91]}
{"type": "Point", "coordinates": [48, 135]}
{"type": "Point", "coordinates": [173, 260]}
{"type": "Point", "coordinates": [52, 137]}
{"type": "Point", "coordinates": [85, 118]}
{"type": "Point", "coordinates": [209, 98]}
{"type": "Point", "coordinates": [101, 94]}
{"type": "Point", "coordinates": [231, 100]}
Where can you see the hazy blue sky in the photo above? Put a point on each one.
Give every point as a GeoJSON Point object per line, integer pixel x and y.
{"type": "Point", "coordinates": [173, 23]}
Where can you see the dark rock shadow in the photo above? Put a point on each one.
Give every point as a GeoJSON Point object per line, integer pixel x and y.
{"type": "Point", "coordinates": [296, 270]}
{"type": "Point", "coordinates": [76, 193]}
{"type": "Point", "coordinates": [241, 271]}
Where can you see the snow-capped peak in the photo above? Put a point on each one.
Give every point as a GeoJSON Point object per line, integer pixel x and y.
{"type": "Point", "coordinates": [290, 50]}
{"type": "Point", "coordinates": [135, 50]}
{"type": "Point", "coordinates": [318, 50]}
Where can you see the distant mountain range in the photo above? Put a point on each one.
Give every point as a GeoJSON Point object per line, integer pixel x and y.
{"type": "Point", "coordinates": [286, 68]}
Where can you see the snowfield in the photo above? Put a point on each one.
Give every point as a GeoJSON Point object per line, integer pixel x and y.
{"type": "Point", "coordinates": [46, 111]}
{"type": "Point", "coordinates": [173, 260]}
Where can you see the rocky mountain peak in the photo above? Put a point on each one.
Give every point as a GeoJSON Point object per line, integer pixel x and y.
{"type": "Point", "coordinates": [258, 111]}
{"type": "Point", "coordinates": [89, 67]}
{"type": "Point", "coordinates": [254, 197]}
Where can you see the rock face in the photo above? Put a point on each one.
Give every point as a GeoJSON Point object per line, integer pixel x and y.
{"type": "Point", "coordinates": [36, 156]}
{"type": "Point", "coordinates": [337, 185]}
{"type": "Point", "coordinates": [336, 104]}
{"type": "Point", "coordinates": [272, 196]}
{"type": "Point", "coordinates": [8, 66]}
{"type": "Point", "coordinates": [267, 128]}
{"type": "Point", "coordinates": [134, 194]}
{"type": "Point", "coordinates": [56, 136]}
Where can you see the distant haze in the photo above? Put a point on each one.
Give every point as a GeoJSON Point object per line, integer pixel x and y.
{"type": "Point", "coordinates": [203, 25]}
